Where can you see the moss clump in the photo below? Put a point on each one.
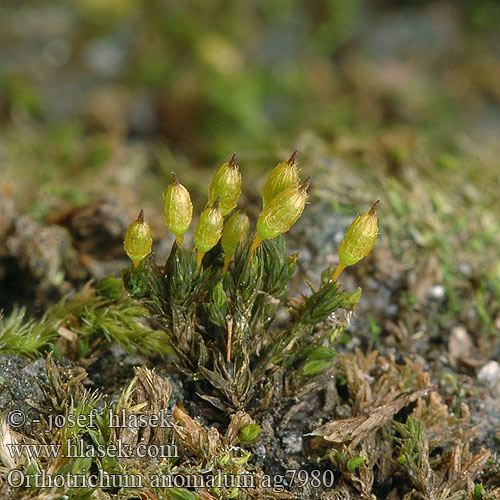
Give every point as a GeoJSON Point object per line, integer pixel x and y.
{"type": "Point", "coordinates": [222, 325]}
{"type": "Point", "coordinates": [79, 324]}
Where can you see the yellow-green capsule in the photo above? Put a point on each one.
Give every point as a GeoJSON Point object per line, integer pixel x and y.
{"type": "Point", "coordinates": [280, 214]}
{"type": "Point", "coordinates": [208, 231]}
{"type": "Point", "coordinates": [235, 230]}
{"type": "Point", "coordinates": [359, 239]}
{"type": "Point", "coordinates": [178, 209]}
{"type": "Point", "coordinates": [138, 241]}
{"type": "Point", "coordinates": [226, 185]}
{"type": "Point", "coordinates": [285, 175]}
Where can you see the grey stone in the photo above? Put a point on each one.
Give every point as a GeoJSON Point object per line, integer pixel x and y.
{"type": "Point", "coordinates": [292, 442]}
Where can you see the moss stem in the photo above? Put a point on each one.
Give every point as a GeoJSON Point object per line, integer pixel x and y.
{"type": "Point", "coordinates": [256, 242]}
{"type": "Point", "coordinates": [227, 261]}
{"type": "Point", "coordinates": [229, 339]}
{"type": "Point", "coordinates": [337, 272]}
{"type": "Point", "coordinates": [200, 258]}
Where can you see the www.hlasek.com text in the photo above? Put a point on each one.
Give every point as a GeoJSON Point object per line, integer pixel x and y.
{"type": "Point", "coordinates": [80, 449]}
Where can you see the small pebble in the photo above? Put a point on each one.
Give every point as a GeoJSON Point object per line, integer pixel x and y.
{"type": "Point", "coordinates": [437, 292]}
{"type": "Point", "coordinates": [105, 57]}
{"type": "Point", "coordinates": [260, 451]}
{"type": "Point", "coordinates": [459, 344]}
{"type": "Point", "coordinates": [292, 443]}
{"type": "Point", "coordinates": [465, 268]}
{"type": "Point", "coordinates": [392, 309]}
{"type": "Point", "coordinates": [489, 374]}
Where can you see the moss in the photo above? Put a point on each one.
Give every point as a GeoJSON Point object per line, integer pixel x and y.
{"type": "Point", "coordinates": [77, 325]}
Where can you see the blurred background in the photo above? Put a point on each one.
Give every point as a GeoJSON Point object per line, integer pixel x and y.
{"type": "Point", "coordinates": [203, 78]}
{"type": "Point", "coordinates": [100, 100]}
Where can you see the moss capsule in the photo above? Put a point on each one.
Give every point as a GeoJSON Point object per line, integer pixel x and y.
{"type": "Point", "coordinates": [280, 214]}
{"type": "Point", "coordinates": [359, 239]}
{"type": "Point", "coordinates": [226, 185]}
{"type": "Point", "coordinates": [178, 209]}
{"type": "Point", "coordinates": [235, 230]}
{"type": "Point", "coordinates": [138, 241]}
{"type": "Point", "coordinates": [285, 175]}
{"type": "Point", "coordinates": [208, 231]}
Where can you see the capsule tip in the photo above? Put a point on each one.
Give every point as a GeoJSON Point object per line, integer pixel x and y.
{"type": "Point", "coordinates": [233, 159]}
{"type": "Point", "coordinates": [293, 159]}
{"type": "Point", "coordinates": [174, 178]}
{"type": "Point", "coordinates": [306, 184]}
{"type": "Point", "coordinates": [140, 218]}
{"type": "Point", "coordinates": [244, 208]}
{"type": "Point", "coordinates": [374, 209]}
